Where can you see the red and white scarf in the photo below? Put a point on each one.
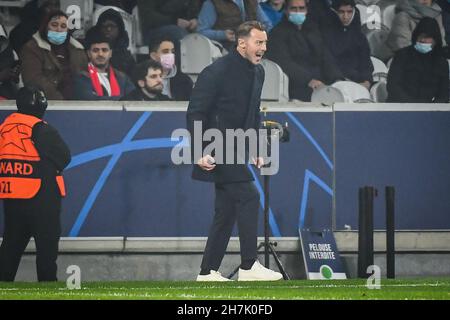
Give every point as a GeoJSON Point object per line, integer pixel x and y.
{"type": "Point", "coordinates": [93, 73]}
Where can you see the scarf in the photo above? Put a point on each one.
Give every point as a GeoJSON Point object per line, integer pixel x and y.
{"type": "Point", "coordinates": [93, 73]}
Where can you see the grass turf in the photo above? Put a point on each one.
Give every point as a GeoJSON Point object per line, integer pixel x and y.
{"type": "Point", "coordinates": [438, 288]}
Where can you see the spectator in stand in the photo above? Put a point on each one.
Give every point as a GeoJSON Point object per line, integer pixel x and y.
{"type": "Point", "coordinates": [419, 72]}
{"type": "Point", "coordinates": [126, 5]}
{"type": "Point", "coordinates": [177, 85]}
{"type": "Point", "coordinates": [99, 80]}
{"type": "Point", "coordinates": [218, 19]}
{"type": "Point", "coordinates": [112, 27]}
{"type": "Point", "coordinates": [31, 16]}
{"type": "Point", "coordinates": [9, 71]}
{"type": "Point", "coordinates": [273, 10]}
{"type": "Point", "coordinates": [321, 12]}
{"type": "Point", "coordinates": [445, 6]}
{"type": "Point", "coordinates": [52, 57]}
{"type": "Point", "coordinates": [148, 78]}
{"type": "Point", "coordinates": [409, 13]}
{"type": "Point", "coordinates": [348, 45]}
{"type": "Point", "coordinates": [168, 18]}
{"type": "Point", "coordinates": [297, 47]}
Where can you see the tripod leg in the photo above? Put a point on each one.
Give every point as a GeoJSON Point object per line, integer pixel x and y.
{"type": "Point", "coordinates": [278, 262]}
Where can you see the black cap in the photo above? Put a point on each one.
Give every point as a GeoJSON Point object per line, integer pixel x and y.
{"type": "Point", "coordinates": [32, 101]}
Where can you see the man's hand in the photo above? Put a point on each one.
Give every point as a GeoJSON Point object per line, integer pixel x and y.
{"type": "Point", "coordinates": [365, 84]}
{"type": "Point", "coordinates": [193, 23]}
{"type": "Point", "coordinates": [182, 23]}
{"type": "Point", "coordinates": [258, 162]}
{"type": "Point", "coordinates": [315, 84]}
{"type": "Point", "coordinates": [207, 163]}
{"type": "Point", "coordinates": [230, 35]}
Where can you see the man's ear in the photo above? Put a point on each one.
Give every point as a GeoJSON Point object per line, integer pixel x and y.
{"type": "Point", "coordinates": [153, 56]}
{"type": "Point", "coordinates": [141, 83]}
{"type": "Point", "coordinates": [241, 43]}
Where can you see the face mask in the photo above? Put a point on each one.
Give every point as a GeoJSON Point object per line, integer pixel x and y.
{"type": "Point", "coordinates": [167, 60]}
{"type": "Point", "coordinates": [423, 47]}
{"type": "Point", "coordinates": [297, 18]}
{"type": "Point", "coordinates": [56, 37]}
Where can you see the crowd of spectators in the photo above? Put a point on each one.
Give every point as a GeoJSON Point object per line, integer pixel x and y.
{"type": "Point", "coordinates": [315, 42]}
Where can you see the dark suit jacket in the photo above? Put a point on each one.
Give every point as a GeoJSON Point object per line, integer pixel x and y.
{"type": "Point", "coordinates": [227, 95]}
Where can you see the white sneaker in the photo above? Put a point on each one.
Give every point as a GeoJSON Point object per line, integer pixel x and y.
{"type": "Point", "coordinates": [259, 273]}
{"type": "Point", "coordinates": [212, 276]}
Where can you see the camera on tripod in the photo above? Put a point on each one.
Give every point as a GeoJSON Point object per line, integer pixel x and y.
{"type": "Point", "coordinates": [276, 130]}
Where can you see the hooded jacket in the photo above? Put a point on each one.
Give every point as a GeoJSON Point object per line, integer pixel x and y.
{"type": "Point", "coordinates": [349, 48]}
{"type": "Point", "coordinates": [121, 58]}
{"type": "Point", "coordinates": [417, 77]}
{"type": "Point", "coordinates": [321, 13]}
{"type": "Point", "coordinates": [303, 56]}
{"type": "Point", "coordinates": [409, 13]}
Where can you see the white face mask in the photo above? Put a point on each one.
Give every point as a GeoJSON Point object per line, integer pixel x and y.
{"type": "Point", "coordinates": [168, 60]}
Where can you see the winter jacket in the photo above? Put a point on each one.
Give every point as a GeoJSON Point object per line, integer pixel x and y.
{"type": "Point", "coordinates": [409, 13]}
{"type": "Point", "coordinates": [303, 56]}
{"type": "Point", "coordinates": [417, 77]}
{"type": "Point", "coordinates": [350, 50]}
{"type": "Point", "coordinates": [41, 68]}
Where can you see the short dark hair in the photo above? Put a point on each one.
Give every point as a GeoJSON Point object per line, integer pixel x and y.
{"type": "Point", "coordinates": [288, 2]}
{"type": "Point", "coordinates": [140, 71]}
{"type": "Point", "coordinates": [93, 36]}
{"type": "Point", "coordinates": [156, 42]}
{"type": "Point", "coordinates": [340, 3]}
{"type": "Point", "coordinates": [43, 28]}
{"type": "Point", "coordinates": [245, 28]}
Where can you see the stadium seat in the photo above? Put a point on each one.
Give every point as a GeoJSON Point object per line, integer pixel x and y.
{"type": "Point", "coordinates": [380, 70]}
{"type": "Point", "coordinates": [388, 15]}
{"type": "Point", "coordinates": [363, 13]}
{"type": "Point", "coordinates": [352, 91]}
{"type": "Point", "coordinates": [3, 31]}
{"type": "Point", "coordinates": [327, 95]}
{"type": "Point", "coordinates": [388, 64]}
{"type": "Point", "coordinates": [86, 10]}
{"type": "Point", "coordinates": [377, 39]}
{"type": "Point", "coordinates": [276, 83]}
{"type": "Point", "coordinates": [378, 92]}
{"type": "Point", "coordinates": [197, 52]}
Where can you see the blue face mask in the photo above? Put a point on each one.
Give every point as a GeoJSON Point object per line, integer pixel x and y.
{"type": "Point", "coordinates": [297, 18]}
{"type": "Point", "coordinates": [56, 37]}
{"type": "Point", "coordinates": [423, 47]}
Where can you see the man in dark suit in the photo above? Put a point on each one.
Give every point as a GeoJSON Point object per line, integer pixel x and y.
{"type": "Point", "coordinates": [227, 96]}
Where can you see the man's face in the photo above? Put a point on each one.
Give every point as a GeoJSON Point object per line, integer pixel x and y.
{"type": "Point", "coordinates": [345, 14]}
{"type": "Point", "coordinates": [153, 82]}
{"type": "Point", "coordinates": [110, 29]}
{"type": "Point", "coordinates": [426, 2]}
{"type": "Point", "coordinates": [426, 39]}
{"type": "Point", "coordinates": [164, 48]}
{"type": "Point", "coordinates": [253, 47]}
{"type": "Point", "coordinates": [297, 6]}
{"type": "Point", "coordinates": [99, 55]}
{"type": "Point", "coordinates": [58, 24]}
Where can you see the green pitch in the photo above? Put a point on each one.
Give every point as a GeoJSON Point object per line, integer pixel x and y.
{"type": "Point", "coordinates": [438, 288]}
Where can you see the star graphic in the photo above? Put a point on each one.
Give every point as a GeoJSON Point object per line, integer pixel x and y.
{"type": "Point", "coordinates": [15, 137]}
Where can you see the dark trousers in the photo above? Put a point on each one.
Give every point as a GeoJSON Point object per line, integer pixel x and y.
{"type": "Point", "coordinates": [25, 219]}
{"type": "Point", "coordinates": [234, 202]}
